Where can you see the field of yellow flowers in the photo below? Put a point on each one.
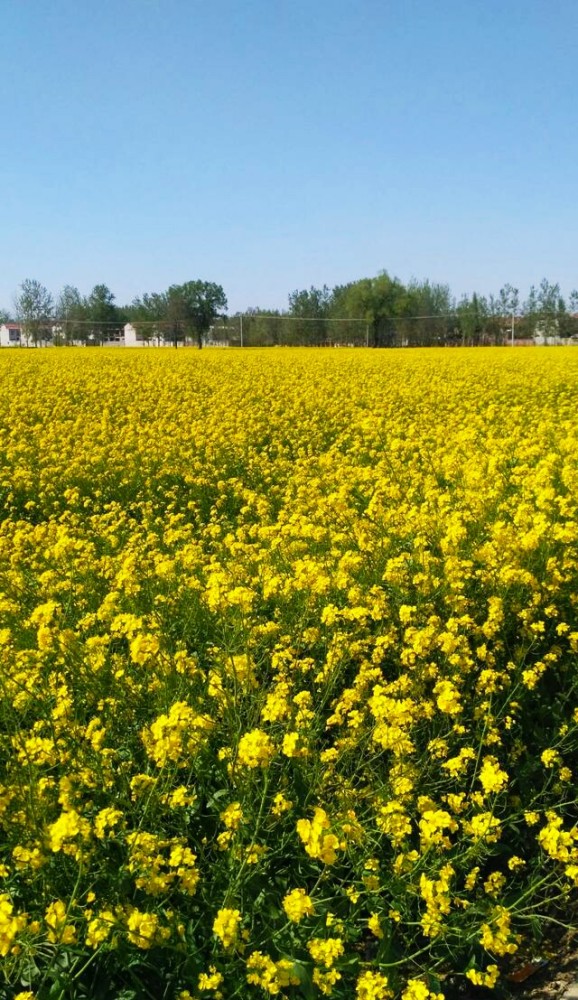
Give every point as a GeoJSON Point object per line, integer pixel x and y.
{"type": "Point", "coordinates": [288, 668]}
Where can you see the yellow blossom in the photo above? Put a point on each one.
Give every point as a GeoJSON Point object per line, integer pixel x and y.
{"type": "Point", "coordinates": [318, 841]}
{"type": "Point", "coordinates": [325, 951]}
{"type": "Point", "coordinates": [226, 926]}
{"type": "Point", "coordinates": [491, 776]}
{"type": "Point", "coordinates": [488, 978]}
{"type": "Point", "coordinates": [372, 986]}
{"type": "Point", "coordinates": [297, 904]}
{"type": "Point", "coordinates": [210, 980]}
{"type": "Point", "coordinates": [255, 749]}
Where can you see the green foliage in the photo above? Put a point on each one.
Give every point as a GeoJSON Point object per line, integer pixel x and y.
{"type": "Point", "coordinates": [71, 316]}
{"type": "Point", "coordinates": [182, 312]}
{"type": "Point", "coordinates": [382, 311]}
{"type": "Point", "coordinates": [194, 306]}
{"type": "Point", "coordinates": [103, 316]}
{"type": "Point", "coordinates": [34, 306]}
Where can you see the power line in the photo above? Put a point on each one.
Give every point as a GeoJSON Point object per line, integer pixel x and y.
{"type": "Point", "coordinates": [284, 318]}
{"type": "Point", "coordinates": [97, 324]}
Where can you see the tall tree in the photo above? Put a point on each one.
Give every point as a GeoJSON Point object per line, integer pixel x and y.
{"type": "Point", "coordinates": [176, 318]}
{"type": "Point", "coordinates": [426, 313]}
{"type": "Point", "coordinates": [71, 315]}
{"type": "Point", "coordinates": [263, 327]}
{"type": "Point", "coordinates": [102, 314]}
{"type": "Point", "coordinates": [193, 308]}
{"type": "Point", "coordinates": [312, 306]}
{"type": "Point", "coordinates": [552, 308]}
{"type": "Point", "coordinates": [34, 307]}
{"type": "Point", "coordinates": [530, 311]}
{"type": "Point", "coordinates": [377, 301]}
{"type": "Point", "coordinates": [148, 315]}
{"type": "Point", "coordinates": [495, 328]}
{"type": "Point", "coordinates": [509, 300]}
{"type": "Point", "coordinates": [472, 315]}
{"type": "Point", "coordinates": [544, 309]}
{"type": "Point", "coordinates": [572, 321]}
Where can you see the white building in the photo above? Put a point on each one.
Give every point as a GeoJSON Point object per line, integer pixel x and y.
{"type": "Point", "coordinates": [13, 335]}
{"type": "Point", "coordinates": [132, 338]}
{"type": "Point", "coordinates": [10, 335]}
{"type": "Point", "coordinates": [547, 333]}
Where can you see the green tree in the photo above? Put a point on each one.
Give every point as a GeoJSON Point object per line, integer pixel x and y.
{"type": "Point", "coordinates": [377, 301]}
{"type": "Point", "coordinates": [103, 316]}
{"type": "Point", "coordinates": [545, 310]}
{"type": "Point", "coordinates": [148, 315]}
{"type": "Point", "coordinates": [572, 318]}
{"type": "Point", "coordinates": [509, 298]}
{"type": "Point", "coordinates": [530, 312]}
{"type": "Point", "coordinates": [262, 328]}
{"type": "Point", "coordinates": [176, 320]}
{"type": "Point", "coordinates": [425, 311]}
{"type": "Point", "coordinates": [509, 301]}
{"type": "Point", "coordinates": [312, 307]}
{"type": "Point", "coordinates": [472, 317]}
{"type": "Point", "coordinates": [192, 309]}
{"type": "Point", "coordinates": [495, 328]}
{"type": "Point", "coordinates": [34, 307]}
{"type": "Point", "coordinates": [551, 308]}
{"type": "Point", "coordinates": [71, 315]}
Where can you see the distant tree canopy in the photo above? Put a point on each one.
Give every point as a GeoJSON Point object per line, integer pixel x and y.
{"type": "Point", "coordinates": [35, 310]}
{"type": "Point", "coordinates": [70, 309]}
{"type": "Point", "coordinates": [103, 316]}
{"type": "Point", "coordinates": [183, 311]}
{"type": "Point", "coordinates": [380, 311]}
{"type": "Point", "coordinates": [389, 311]}
{"type": "Point", "coordinates": [426, 313]}
{"type": "Point", "coordinates": [311, 308]}
{"type": "Point", "coordinates": [69, 319]}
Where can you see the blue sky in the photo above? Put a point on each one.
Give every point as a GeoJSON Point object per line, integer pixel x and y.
{"type": "Point", "coordinates": [273, 144]}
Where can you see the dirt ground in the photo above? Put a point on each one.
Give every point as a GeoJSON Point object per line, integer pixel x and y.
{"type": "Point", "coordinates": [556, 978]}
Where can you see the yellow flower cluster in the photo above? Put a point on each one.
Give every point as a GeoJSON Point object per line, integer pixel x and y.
{"type": "Point", "coordinates": [297, 904]}
{"type": "Point", "coordinates": [318, 842]}
{"type": "Point", "coordinates": [325, 952]}
{"type": "Point", "coordinates": [287, 648]}
{"type": "Point", "coordinates": [497, 936]}
{"type": "Point", "coordinates": [175, 736]}
{"type": "Point", "coordinates": [256, 749]}
{"type": "Point", "coordinates": [416, 989]}
{"type": "Point", "coordinates": [144, 929]}
{"type": "Point", "coordinates": [226, 926]}
{"type": "Point", "coordinates": [158, 864]}
{"type": "Point", "coordinates": [269, 975]}
{"type": "Point", "coordinates": [372, 986]}
{"type": "Point", "coordinates": [10, 924]}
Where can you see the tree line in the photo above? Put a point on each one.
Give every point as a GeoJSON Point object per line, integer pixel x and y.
{"type": "Point", "coordinates": [380, 311]}
{"type": "Point", "coordinates": [426, 313]}
{"type": "Point", "coordinates": [182, 312]}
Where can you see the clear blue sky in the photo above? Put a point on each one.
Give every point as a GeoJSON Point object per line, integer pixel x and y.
{"type": "Point", "coordinates": [273, 144]}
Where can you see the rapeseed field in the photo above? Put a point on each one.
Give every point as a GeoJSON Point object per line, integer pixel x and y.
{"type": "Point", "coordinates": [288, 667]}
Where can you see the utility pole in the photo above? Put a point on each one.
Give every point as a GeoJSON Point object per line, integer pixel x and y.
{"type": "Point", "coordinates": [512, 329]}
{"type": "Point", "coordinates": [241, 328]}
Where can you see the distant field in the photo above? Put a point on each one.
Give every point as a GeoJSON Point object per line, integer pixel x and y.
{"type": "Point", "coordinates": [288, 670]}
